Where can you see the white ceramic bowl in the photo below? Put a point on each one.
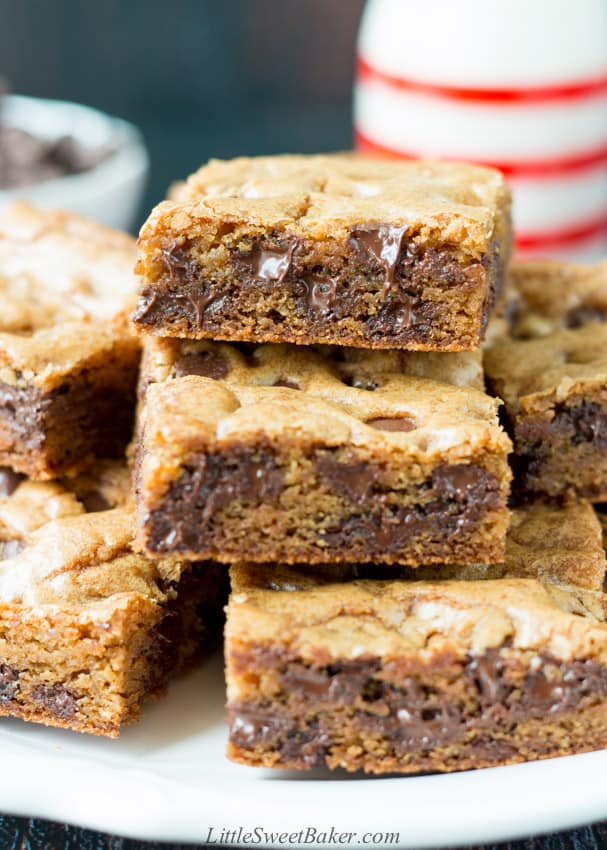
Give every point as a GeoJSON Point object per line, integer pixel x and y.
{"type": "Point", "coordinates": [110, 192]}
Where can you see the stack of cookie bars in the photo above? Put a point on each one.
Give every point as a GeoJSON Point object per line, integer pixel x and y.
{"type": "Point", "coordinates": [313, 413]}
{"type": "Point", "coordinates": [313, 418]}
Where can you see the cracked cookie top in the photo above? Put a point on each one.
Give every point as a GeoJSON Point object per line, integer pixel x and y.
{"type": "Point", "coordinates": [548, 342]}
{"type": "Point", "coordinates": [306, 368]}
{"type": "Point", "coordinates": [544, 371]}
{"type": "Point", "coordinates": [66, 288]}
{"type": "Point", "coordinates": [325, 196]}
{"type": "Point", "coordinates": [210, 393]}
{"type": "Point", "coordinates": [68, 542]}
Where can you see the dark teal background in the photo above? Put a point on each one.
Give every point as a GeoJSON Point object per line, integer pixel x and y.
{"type": "Point", "coordinates": [200, 78]}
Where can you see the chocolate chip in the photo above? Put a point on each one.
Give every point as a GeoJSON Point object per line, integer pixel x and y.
{"type": "Point", "coordinates": [582, 423]}
{"type": "Point", "coordinates": [393, 423]}
{"type": "Point", "coordinates": [415, 712]}
{"type": "Point", "coordinates": [459, 481]}
{"type": "Point", "coordinates": [578, 316]}
{"type": "Point", "coordinates": [270, 265]}
{"type": "Point", "coordinates": [56, 699]}
{"type": "Point", "coordinates": [26, 158]}
{"type": "Point", "coordinates": [9, 683]}
{"type": "Point", "coordinates": [383, 243]}
{"type": "Point", "coordinates": [207, 364]}
{"type": "Point", "coordinates": [207, 485]}
{"type": "Point", "coordinates": [321, 291]}
{"type": "Point", "coordinates": [94, 501]}
{"type": "Point", "coordinates": [353, 480]}
{"type": "Point", "coordinates": [9, 481]}
{"type": "Point", "coordinates": [285, 383]}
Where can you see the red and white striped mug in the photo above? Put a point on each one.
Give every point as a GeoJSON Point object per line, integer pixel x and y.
{"type": "Point", "coordinates": [521, 85]}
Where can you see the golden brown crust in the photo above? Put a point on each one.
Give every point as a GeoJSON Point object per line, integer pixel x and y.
{"type": "Point", "coordinates": [66, 286]}
{"type": "Point", "coordinates": [325, 623]}
{"type": "Point", "coordinates": [326, 194]}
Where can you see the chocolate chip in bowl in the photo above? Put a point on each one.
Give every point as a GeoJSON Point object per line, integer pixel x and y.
{"type": "Point", "coordinates": [26, 158]}
{"type": "Point", "coordinates": [64, 155]}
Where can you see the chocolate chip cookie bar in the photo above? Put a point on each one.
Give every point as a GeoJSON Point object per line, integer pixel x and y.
{"type": "Point", "coordinates": [88, 628]}
{"type": "Point", "coordinates": [68, 360]}
{"type": "Point", "coordinates": [337, 249]}
{"type": "Point", "coordinates": [543, 296]}
{"type": "Point", "coordinates": [549, 365]}
{"type": "Point", "coordinates": [286, 453]}
{"type": "Point", "coordinates": [401, 676]}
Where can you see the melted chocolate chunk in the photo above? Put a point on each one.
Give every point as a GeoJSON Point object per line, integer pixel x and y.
{"type": "Point", "coordinates": [9, 481]}
{"type": "Point", "coordinates": [252, 723]}
{"type": "Point", "coordinates": [487, 673]}
{"type": "Point", "coordinates": [459, 481]}
{"type": "Point", "coordinates": [393, 423]}
{"type": "Point", "coordinates": [400, 314]}
{"type": "Point", "coordinates": [94, 502]}
{"type": "Point", "coordinates": [383, 243]}
{"type": "Point", "coordinates": [178, 262]}
{"type": "Point", "coordinates": [9, 683]}
{"type": "Point", "coordinates": [206, 486]}
{"type": "Point", "coordinates": [265, 263]}
{"type": "Point", "coordinates": [577, 424]}
{"type": "Point", "coordinates": [270, 265]}
{"type": "Point", "coordinates": [583, 423]}
{"type": "Point", "coordinates": [207, 364]}
{"type": "Point", "coordinates": [340, 684]}
{"type": "Point", "coordinates": [462, 496]}
{"type": "Point", "coordinates": [417, 712]}
{"type": "Point", "coordinates": [321, 292]}
{"type": "Point", "coordinates": [336, 288]}
{"type": "Point", "coordinates": [354, 481]}
{"type": "Point", "coordinates": [56, 699]}
{"type": "Point", "coordinates": [200, 302]}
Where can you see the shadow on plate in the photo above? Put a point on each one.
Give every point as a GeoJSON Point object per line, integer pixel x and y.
{"type": "Point", "coordinates": [194, 705]}
{"type": "Point", "coordinates": [322, 774]}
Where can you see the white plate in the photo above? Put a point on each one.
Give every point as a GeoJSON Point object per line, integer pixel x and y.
{"type": "Point", "coordinates": [167, 779]}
